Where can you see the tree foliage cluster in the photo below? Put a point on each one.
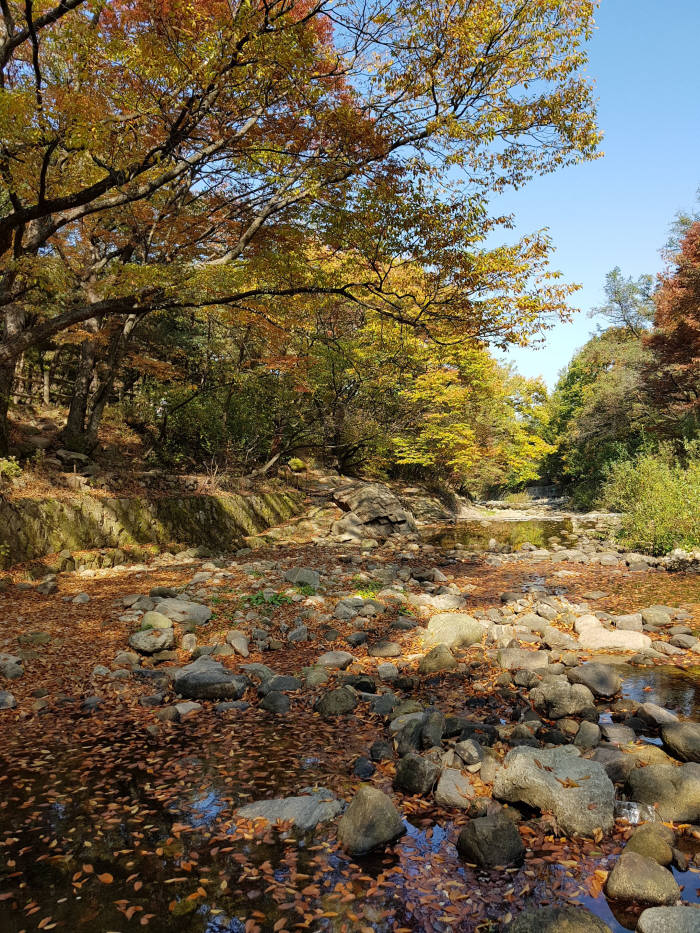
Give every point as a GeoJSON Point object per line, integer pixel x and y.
{"type": "Point", "coordinates": [257, 224]}
{"type": "Point", "coordinates": [633, 391]}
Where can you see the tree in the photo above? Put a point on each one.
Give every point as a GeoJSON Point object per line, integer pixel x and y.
{"type": "Point", "coordinates": [629, 304]}
{"type": "Point", "coordinates": [160, 156]}
{"type": "Point", "coordinates": [673, 377]}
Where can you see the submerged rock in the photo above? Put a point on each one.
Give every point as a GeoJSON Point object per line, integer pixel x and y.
{"type": "Point", "coordinates": [304, 812]}
{"type": "Point", "coordinates": [558, 920]}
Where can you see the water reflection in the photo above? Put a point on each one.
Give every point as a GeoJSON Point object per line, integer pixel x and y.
{"type": "Point", "coordinates": [671, 687]}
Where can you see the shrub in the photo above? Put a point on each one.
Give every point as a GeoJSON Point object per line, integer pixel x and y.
{"type": "Point", "coordinates": [659, 498]}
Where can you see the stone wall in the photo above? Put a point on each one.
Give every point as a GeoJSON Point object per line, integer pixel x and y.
{"type": "Point", "coordinates": [33, 528]}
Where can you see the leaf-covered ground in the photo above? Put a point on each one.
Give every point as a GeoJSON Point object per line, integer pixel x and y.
{"type": "Point", "coordinates": [111, 820]}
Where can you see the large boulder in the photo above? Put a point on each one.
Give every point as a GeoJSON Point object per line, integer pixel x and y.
{"type": "Point", "coordinates": [683, 740]}
{"type": "Point", "coordinates": [593, 635]}
{"type": "Point", "coordinates": [304, 812]}
{"type": "Point", "coordinates": [557, 698]}
{"type": "Point", "coordinates": [371, 820]}
{"type": "Point", "coordinates": [557, 920]}
{"type": "Point", "coordinates": [373, 512]}
{"type": "Point", "coordinates": [183, 611]}
{"type": "Point", "coordinates": [454, 629]}
{"type": "Point", "coordinates": [439, 658]}
{"type": "Point", "coordinates": [675, 792]}
{"type": "Point", "coordinates": [149, 641]}
{"type": "Point", "coordinates": [669, 920]}
{"type": "Point", "coordinates": [601, 679]}
{"type": "Point", "coordinates": [490, 841]}
{"type": "Point", "coordinates": [638, 878]}
{"type": "Point", "coordinates": [575, 789]}
{"type": "Point", "coordinates": [207, 679]}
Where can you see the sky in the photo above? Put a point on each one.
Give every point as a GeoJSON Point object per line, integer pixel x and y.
{"type": "Point", "coordinates": [618, 209]}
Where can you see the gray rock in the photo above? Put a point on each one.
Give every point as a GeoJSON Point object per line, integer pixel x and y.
{"type": "Point", "coordinates": [669, 920]}
{"type": "Point", "coordinates": [656, 617]}
{"type": "Point", "coordinates": [182, 610]}
{"type": "Point", "coordinates": [617, 734]}
{"type": "Point", "coordinates": [641, 879]}
{"type": "Point", "coordinates": [601, 679]}
{"type": "Point", "coordinates": [683, 740]}
{"type": "Point", "coordinates": [387, 672]}
{"type": "Point", "coordinates": [385, 649]}
{"type": "Point", "coordinates": [152, 640]}
{"type": "Point", "coordinates": [655, 715]}
{"type": "Point", "coordinates": [454, 629]}
{"type": "Point", "coordinates": [7, 701]}
{"type": "Point", "coordinates": [298, 634]}
{"type": "Point", "coordinates": [188, 642]}
{"type": "Point", "coordinates": [154, 619]}
{"type": "Point", "coordinates": [593, 635]}
{"type": "Point", "coordinates": [275, 702]}
{"type": "Point", "coordinates": [303, 576]}
{"type": "Point", "coordinates": [207, 679]}
{"type": "Point", "coordinates": [186, 708]}
{"type": "Point", "coordinates": [588, 735]}
{"type": "Point", "coordinates": [558, 698]}
{"type": "Point", "coordinates": [415, 774]}
{"type": "Point", "coordinates": [336, 702]}
{"type": "Point", "coordinates": [439, 658]}
{"type": "Point", "coordinates": [454, 789]}
{"type": "Point", "coordinates": [304, 812]}
{"type": "Point", "coordinates": [239, 642]}
{"type": "Point", "coordinates": [631, 622]}
{"type": "Point", "coordinates": [653, 840]}
{"type": "Point", "coordinates": [519, 659]}
{"type": "Point", "coordinates": [371, 820]}
{"type": "Point", "coordinates": [335, 660]}
{"type": "Point", "coordinates": [490, 841]}
{"type": "Point", "coordinates": [575, 789]}
{"type": "Point", "coordinates": [557, 920]}
{"type": "Point", "coordinates": [11, 666]}
{"type": "Point", "coordinates": [674, 791]}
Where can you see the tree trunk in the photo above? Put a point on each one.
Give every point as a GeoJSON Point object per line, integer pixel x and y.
{"type": "Point", "coordinates": [12, 325]}
{"type": "Point", "coordinates": [73, 434]}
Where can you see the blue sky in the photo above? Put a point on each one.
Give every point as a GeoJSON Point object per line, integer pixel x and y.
{"type": "Point", "coordinates": [617, 210]}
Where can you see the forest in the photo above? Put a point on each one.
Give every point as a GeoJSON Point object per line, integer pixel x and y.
{"type": "Point", "coordinates": [317, 612]}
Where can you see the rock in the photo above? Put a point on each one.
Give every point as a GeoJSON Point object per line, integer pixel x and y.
{"type": "Point", "coordinates": [385, 649]}
{"type": "Point", "coordinates": [415, 774]}
{"type": "Point", "coordinates": [454, 789]}
{"type": "Point", "coordinates": [632, 622]}
{"type": "Point", "coordinates": [7, 701]}
{"type": "Point", "coordinates": [373, 511]}
{"type": "Point", "coordinates": [669, 920]}
{"type": "Point", "coordinates": [655, 715]}
{"type": "Point", "coordinates": [336, 702]}
{"type": "Point", "coordinates": [656, 617]}
{"type": "Point", "coordinates": [387, 672]}
{"type": "Point", "coordinates": [153, 619]}
{"type": "Point", "coordinates": [683, 740]}
{"type": "Point", "coordinates": [152, 640]}
{"type": "Point", "coordinates": [275, 702]}
{"type": "Point", "coordinates": [363, 768]}
{"type": "Point", "coordinates": [577, 790]}
{"type": "Point", "coordinates": [299, 634]}
{"type": "Point", "coordinates": [491, 841]}
{"type": "Point", "coordinates": [303, 576]}
{"type": "Point", "coordinates": [432, 729]}
{"type": "Point", "coordinates": [641, 879]}
{"type": "Point", "coordinates": [520, 659]}
{"type": "Point", "coordinates": [588, 735]}
{"type": "Point", "coordinates": [371, 820]}
{"type": "Point", "coordinates": [186, 709]}
{"type": "Point", "coordinates": [439, 658]}
{"type": "Point", "coordinates": [335, 660]}
{"type": "Point", "coordinates": [188, 642]}
{"type": "Point", "coordinates": [558, 920]}
{"type": "Point", "coordinates": [617, 734]}
{"type": "Point", "coordinates": [454, 629]}
{"type": "Point", "coordinates": [652, 840]}
{"type": "Point", "coordinates": [207, 679]}
{"type": "Point", "coordinates": [238, 641]}
{"type": "Point", "coordinates": [601, 679]}
{"type": "Point", "coordinates": [182, 610]}
{"type": "Point", "coordinates": [558, 698]}
{"type": "Point", "coordinates": [593, 635]}
{"type": "Point", "coordinates": [381, 751]}
{"type": "Point", "coordinates": [674, 791]}
{"type": "Point", "coordinates": [11, 666]}
{"type": "Point", "coordinates": [469, 751]}
{"type": "Point", "coordinates": [304, 812]}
